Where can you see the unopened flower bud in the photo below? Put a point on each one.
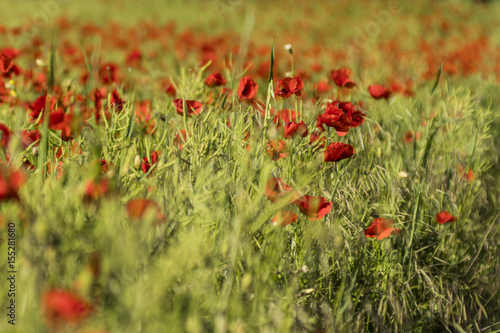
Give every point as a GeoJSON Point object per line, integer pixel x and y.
{"type": "Point", "coordinates": [137, 162]}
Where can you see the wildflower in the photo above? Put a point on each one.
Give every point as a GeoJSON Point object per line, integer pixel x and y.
{"type": "Point", "coordinates": [4, 135]}
{"type": "Point", "coordinates": [341, 77]}
{"type": "Point", "coordinates": [95, 189]}
{"type": "Point", "coordinates": [338, 151]}
{"type": "Point", "coordinates": [277, 189]}
{"type": "Point", "coordinates": [378, 92]}
{"type": "Point", "coordinates": [29, 137]}
{"type": "Point", "coordinates": [146, 164]}
{"type": "Point", "coordinates": [334, 117]}
{"type": "Point", "coordinates": [247, 89]}
{"type": "Point", "coordinates": [314, 207]}
{"type": "Point", "coordinates": [276, 149]}
{"type": "Point", "coordinates": [381, 228]}
{"type": "Point", "coordinates": [63, 307]}
{"type": "Point", "coordinates": [10, 183]}
{"type": "Point", "coordinates": [139, 208]}
{"type": "Point", "coordinates": [193, 107]}
{"type": "Point", "coordinates": [284, 218]}
{"type": "Point", "coordinates": [286, 116]}
{"type": "Point", "coordinates": [295, 129]}
{"type": "Point", "coordinates": [215, 79]}
{"type": "Point", "coordinates": [289, 86]}
{"type": "Point", "coordinates": [445, 217]}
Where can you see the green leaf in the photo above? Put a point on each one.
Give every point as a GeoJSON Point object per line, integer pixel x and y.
{"type": "Point", "coordinates": [437, 78]}
{"type": "Point", "coordinates": [271, 67]}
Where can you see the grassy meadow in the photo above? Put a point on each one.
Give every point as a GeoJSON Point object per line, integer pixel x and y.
{"type": "Point", "coordinates": [250, 166]}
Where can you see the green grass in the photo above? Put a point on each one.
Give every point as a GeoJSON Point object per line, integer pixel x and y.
{"type": "Point", "coordinates": [218, 264]}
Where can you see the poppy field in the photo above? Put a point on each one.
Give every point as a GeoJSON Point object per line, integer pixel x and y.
{"type": "Point", "coordinates": [243, 166]}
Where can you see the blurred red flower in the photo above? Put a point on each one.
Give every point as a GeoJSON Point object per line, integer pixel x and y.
{"type": "Point", "coordinates": [116, 101]}
{"type": "Point", "coordinates": [284, 218]}
{"type": "Point", "coordinates": [95, 189]}
{"type": "Point", "coordinates": [381, 228]}
{"type": "Point", "coordinates": [64, 307]}
{"type": "Point", "coordinates": [108, 73]}
{"type": "Point", "coordinates": [247, 89]}
{"type": "Point", "coordinates": [314, 207]}
{"type": "Point", "coordinates": [28, 137]}
{"type": "Point", "coordinates": [289, 86]}
{"type": "Point", "coordinates": [134, 58]}
{"type": "Point", "coordinates": [285, 116]}
{"type": "Point", "coordinates": [342, 79]}
{"type": "Point", "coordinates": [378, 92]}
{"type": "Point", "coordinates": [295, 129]}
{"type": "Point", "coordinates": [10, 183]}
{"type": "Point", "coordinates": [334, 117]}
{"type": "Point", "coordinates": [4, 135]}
{"type": "Point", "coordinates": [180, 138]}
{"type": "Point", "coordinates": [317, 136]}
{"type": "Point", "coordinates": [409, 137]}
{"type": "Point", "coordinates": [276, 149]}
{"type": "Point", "coordinates": [215, 79]}
{"type": "Point", "coordinates": [146, 164]}
{"type": "Point", "coordinates": [338, 151]}
{"type": "Point", "coordinates": [140, 208]}
{"type": "Point", "coordinates": [7, 66]}
{"type": "Point", "coordinates": [276, 189]}
{"type": "Point", "coordinates": [445, 217]}
{"type": "Point", "coordinates": [6, 62]}
{"type": "Point", "coordinates": [193, 107]}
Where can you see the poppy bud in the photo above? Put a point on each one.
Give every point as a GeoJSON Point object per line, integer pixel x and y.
{"type": "Point", "coordinates": [137, 162]}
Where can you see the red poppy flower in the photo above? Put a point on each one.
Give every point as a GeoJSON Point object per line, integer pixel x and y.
{"type": "Point", "coordinates": [215, 79]}
{"type": "Point", "coordinates": [378, 92]}
{"type": "Point", "coordinates": [247, 89]}
{"type": "Point", "coordinates": [289, 86]}
{"type": "Point", "coordinates": [381, 228]}
{"type": "Point", "coordinates": [277, 189]}
{"type": "Point", "coordinates": [295, 129]}
{"type": "Point", "coordinates": [144, 116]}
{"type": "Point", "coordinates": [6, 62]}
{"type": "Point", "coordinates": [95, 189]}
{"type": "Point", "coordinates": [169, 88]}
{"type": "Point", "coordinates": [409, 137]}
{"type": "Point", "coordinates": [334, 117]}
{"type": "Point", "coordinates": [28, 137]}
{"type": "Point", "coordinates": [180, 138]}
{"type": "Point", "coordinates": [146, 165]}
{"type": "Point", "coordinates": [285, 116]}
{"type": "Point", "coordinates": [140, 208]}
{"type": "Point", "coordinates": [444, 217]}
{"type": "Point", "coordinates": [323, 87]}
{"type": "Point", "coordinates": [276, 149]}
{"type": "Point", "coordinates": [314, 207]}
{"type": "Point", "coordinates": [38, 106]}
{"type": "Point", "coordinates": [284, 218]}
{"type": "Point", "coordinates": [134, 58]}
{"type": "Point", "coordinates": [4, 135]}
{"type": "Point", "coordinates": [116, 101]}
{"type": "Point", "coordinates": [193, 107]}
{"type": "Point", "coordinates": [341, 77]}
{"type": "Point", "coordinates": [356, 117]}
{"type": "Point", "coordinates": [108, 73]}
{"type": "Point", "coordinates": [317, 136]}
{"type": "Point", "coordinates": [102, 165]}
{"type": "Point", "coordinates": [10, 183]}
{"type": "Point", "coordinates": [64, 307]}
{"type": "Point", "coordinates": [60, 121]}
{"type": "Point", "coordinates": [397, 87]}
{"type": "Point", "coordinates": [338, 151]}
